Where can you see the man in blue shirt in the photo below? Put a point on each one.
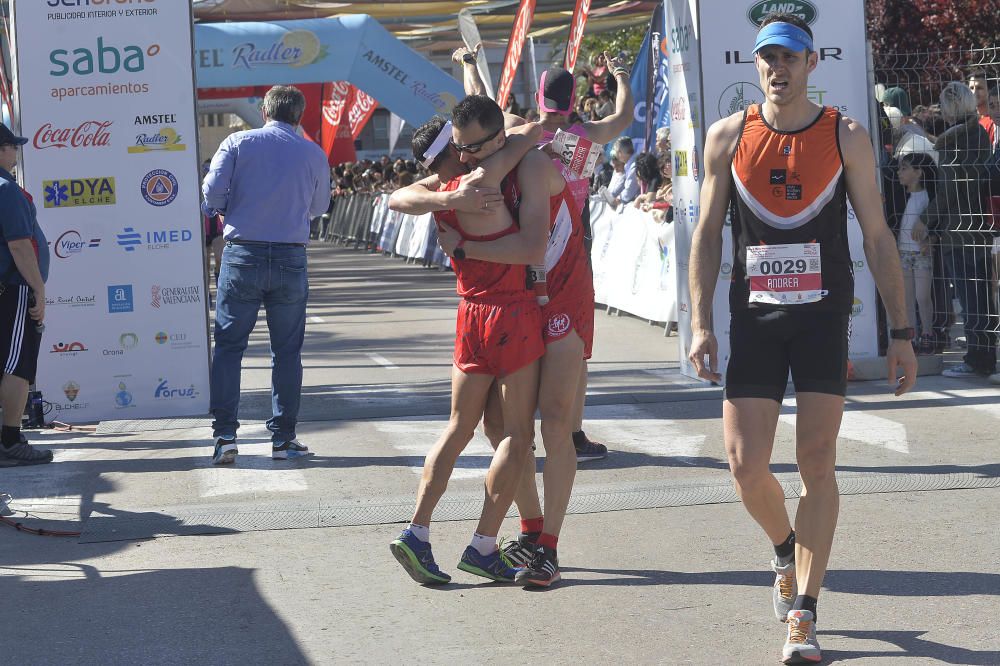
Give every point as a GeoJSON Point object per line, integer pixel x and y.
{"type": "Point", "coordinates": [624, 186]}
{"type": "Point", "coordinates": [24, 267]}
{"type": "Point", "coordinates": [267, 183]}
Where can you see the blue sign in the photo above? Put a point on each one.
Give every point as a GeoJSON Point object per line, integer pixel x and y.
{"type": "Point", "coordinates": [120, 298]}
{"type": "Point", "coordinates": [350, 47]}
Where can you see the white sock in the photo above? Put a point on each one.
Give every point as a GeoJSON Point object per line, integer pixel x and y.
{"type": "Point", "coordinates": [422, 532]}
{"type": "Point", "coordinates": [485, 545]}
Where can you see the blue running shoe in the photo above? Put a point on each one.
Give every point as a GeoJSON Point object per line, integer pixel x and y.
{"type": "Point", "coordinates": [495, 566]}
{"type": "Point", "coordinates": [416, 557]}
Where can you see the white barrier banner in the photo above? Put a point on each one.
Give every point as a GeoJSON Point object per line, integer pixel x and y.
{"type": "Point", "coordinates": [686, 138]}
{"type": "Point", "coordinates": [633, 261]}
{"type": "Point", "coordinates": [729, 83]}
{"type": "Point", "coordinates": [106, 95]}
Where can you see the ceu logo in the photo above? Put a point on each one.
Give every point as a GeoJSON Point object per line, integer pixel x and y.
{"type": "Point", "coordinates": [69, 192]}
{"type": "Point", "coordinates": [102, 59]}
{"type": "Point", "coordinates": [159, 187]}
{"type": "Point", "coordinates": [120, 298]}
{"type": "Point", "coordinates": [70, 243]}
{"type": "Point", "coordinates": [802, 8]}
{"type": "Point", "coordinates": [161, 338]}
{"type": "Point", "coordinates": [737, 97]}
{"type": "Point", "coordinates": [558, 324]}
{"type": "Point", "coordinates": [123, 398]}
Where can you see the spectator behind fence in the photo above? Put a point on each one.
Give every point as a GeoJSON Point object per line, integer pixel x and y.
{"type": "Point", "coordinates": [624, 186]}
{"type": "Point", "coordinates": [658, 199]}
{"type": "Point", "coordinates": [605, 105]}
{"type": "Point", "coordinates": [24, 268]}
{"type": "Point", "coordinates": [918, 175]}
{"type": "Point", "coordinates": [956, 217]}
{"type": "Point", "coordinates": [663, 141]}
{"type": "Point", "coordinates": [267, 182]}
{"type": "Point", "coordinates": [980, 88]}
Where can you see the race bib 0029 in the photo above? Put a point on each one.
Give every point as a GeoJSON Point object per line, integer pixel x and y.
{"type": "Point", "coordinates": [785, 274]}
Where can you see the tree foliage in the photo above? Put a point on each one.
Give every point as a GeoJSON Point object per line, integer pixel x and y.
{"type": "Point", "coordinates": [896, 26]}
{"type": "Point", "coordinates": [628, 40]}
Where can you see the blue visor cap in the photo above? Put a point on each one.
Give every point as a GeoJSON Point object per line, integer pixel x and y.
{"type": "Point", "coordinates": [790, 36]}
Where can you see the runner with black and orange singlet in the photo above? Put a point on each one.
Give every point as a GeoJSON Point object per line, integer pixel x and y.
{"type": "Point", "coordinates": [785, 169]}
{"type": "Point", "coordinates": [498, 339]}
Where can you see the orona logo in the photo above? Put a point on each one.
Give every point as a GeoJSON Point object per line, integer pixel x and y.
{"type": "Point", "coordinates": [104, 59]}
{"type": "Point", "coordinates": [802, 8]}
{"type": "Point", "coordinates": [88, 134]}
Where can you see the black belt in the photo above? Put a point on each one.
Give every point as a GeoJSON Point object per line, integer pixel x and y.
{"type": "Point", "coordinates": [240, 241]}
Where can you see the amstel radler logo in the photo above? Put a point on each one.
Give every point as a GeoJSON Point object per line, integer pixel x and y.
{"type": "Point", "coordinates": [166, 139]}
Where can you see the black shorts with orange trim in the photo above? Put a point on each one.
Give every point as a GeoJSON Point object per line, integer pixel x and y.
{"type": "Point", "coordinates": [767, 344]}
{"type": "Point", "coordinates": [497, 339]}
{"type": "Point", "coordinates": [20, 339]}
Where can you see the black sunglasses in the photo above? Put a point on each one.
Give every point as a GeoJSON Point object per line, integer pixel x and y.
{"type": "Point", "coordinates": [473, 148]}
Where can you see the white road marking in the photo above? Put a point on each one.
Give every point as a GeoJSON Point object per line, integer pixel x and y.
{"type": "Point", "coordinates": [415, 438]}
{"type": "Point", "coordinates": [316, 320]}
{"type": "Point", "coordinates": [383, 361]}
{"type": "Point", "coordinates": [655, 437]}
{"type": "Point", "coordinates": [860, 427]}
{"type": "Point", "coordinates": [240, 479]}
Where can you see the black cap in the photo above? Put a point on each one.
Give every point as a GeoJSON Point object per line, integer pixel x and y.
{"type": "Point", "coordinates": [556, 91]}
{"type": "Point", "coordinates": [8, 137]}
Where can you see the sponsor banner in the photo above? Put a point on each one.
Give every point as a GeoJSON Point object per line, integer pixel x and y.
{"type": "Point", "coordinates": [730, 84]}
{"type": "Point", "coordinates": [683, 72]}
{"type": "Point", "coordinates": [335, 135]}
{"type": "Point", "coordinates": [105, 93]}
{"type": "Point", "coordinates": [352, 48]}
{"type": "Point", "coordinates": [518, 34]}
{"type": "Point", "coordinates": [650, 84]}
{"type": "Point", "coordinates": [360, 110]}
{"type": "Point", "coordinates": [576, 33]}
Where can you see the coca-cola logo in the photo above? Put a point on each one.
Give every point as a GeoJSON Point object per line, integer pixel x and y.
{"type": "Point", "coordinates": [333, 106]}
{"type": "Point", "coordinates": [89, 134]}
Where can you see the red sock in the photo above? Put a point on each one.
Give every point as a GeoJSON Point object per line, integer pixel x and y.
{"type": "Point", "coordinates": [531, 525]}
{"type": "Point", "coordinates": [548, 540]}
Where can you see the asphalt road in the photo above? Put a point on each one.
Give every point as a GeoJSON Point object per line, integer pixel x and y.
{"type": "Point", "coordinates": [266, 562]}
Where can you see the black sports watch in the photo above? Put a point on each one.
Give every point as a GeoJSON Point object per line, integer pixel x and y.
{"type": "Point", "coordinates": [469, 59]}
{"type": "Point", "coordinates": [902, 333]}
{"type": "Point", "coordinates": [459, 253]}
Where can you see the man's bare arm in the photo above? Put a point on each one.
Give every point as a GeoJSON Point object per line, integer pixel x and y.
{"type": "Point", "coordinates": [422, 197]}
{"type": "Point", "coordinates": [706, 243]}
{"type": "Point", "coordinates": [880, 247]}
{"type": "Point", "coordinates": [610, 128]}
{"type": "Point", "coordinates": [499, 164]}
{"type": "Point", "coordinates": [471, 80]}
{"type": "Point", "coordinates": [535, 176]}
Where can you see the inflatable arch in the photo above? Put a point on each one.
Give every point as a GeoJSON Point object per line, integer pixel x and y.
{"type": "Point", "coordinates": [352, 48]}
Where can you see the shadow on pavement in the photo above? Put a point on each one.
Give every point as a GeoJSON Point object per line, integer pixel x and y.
{"type": "Point", "coordinates": [913, 646]}
{"type": "Point", "coordinates": [175, 616]}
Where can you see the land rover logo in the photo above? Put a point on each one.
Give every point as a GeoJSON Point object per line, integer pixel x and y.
{"type": "Point", "coordinates": [801, 8]}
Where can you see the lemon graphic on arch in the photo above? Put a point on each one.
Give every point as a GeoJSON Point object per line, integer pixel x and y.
{"type": "Point", "coordinates": [449, 102]}
{"type": "Point", "coordinates": [310, 50]}
{"type": "Point", "coordinates": [171, 136]}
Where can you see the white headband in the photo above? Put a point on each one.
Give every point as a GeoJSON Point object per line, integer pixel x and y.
{"type": "Point", "coordinates": [443, 137]}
